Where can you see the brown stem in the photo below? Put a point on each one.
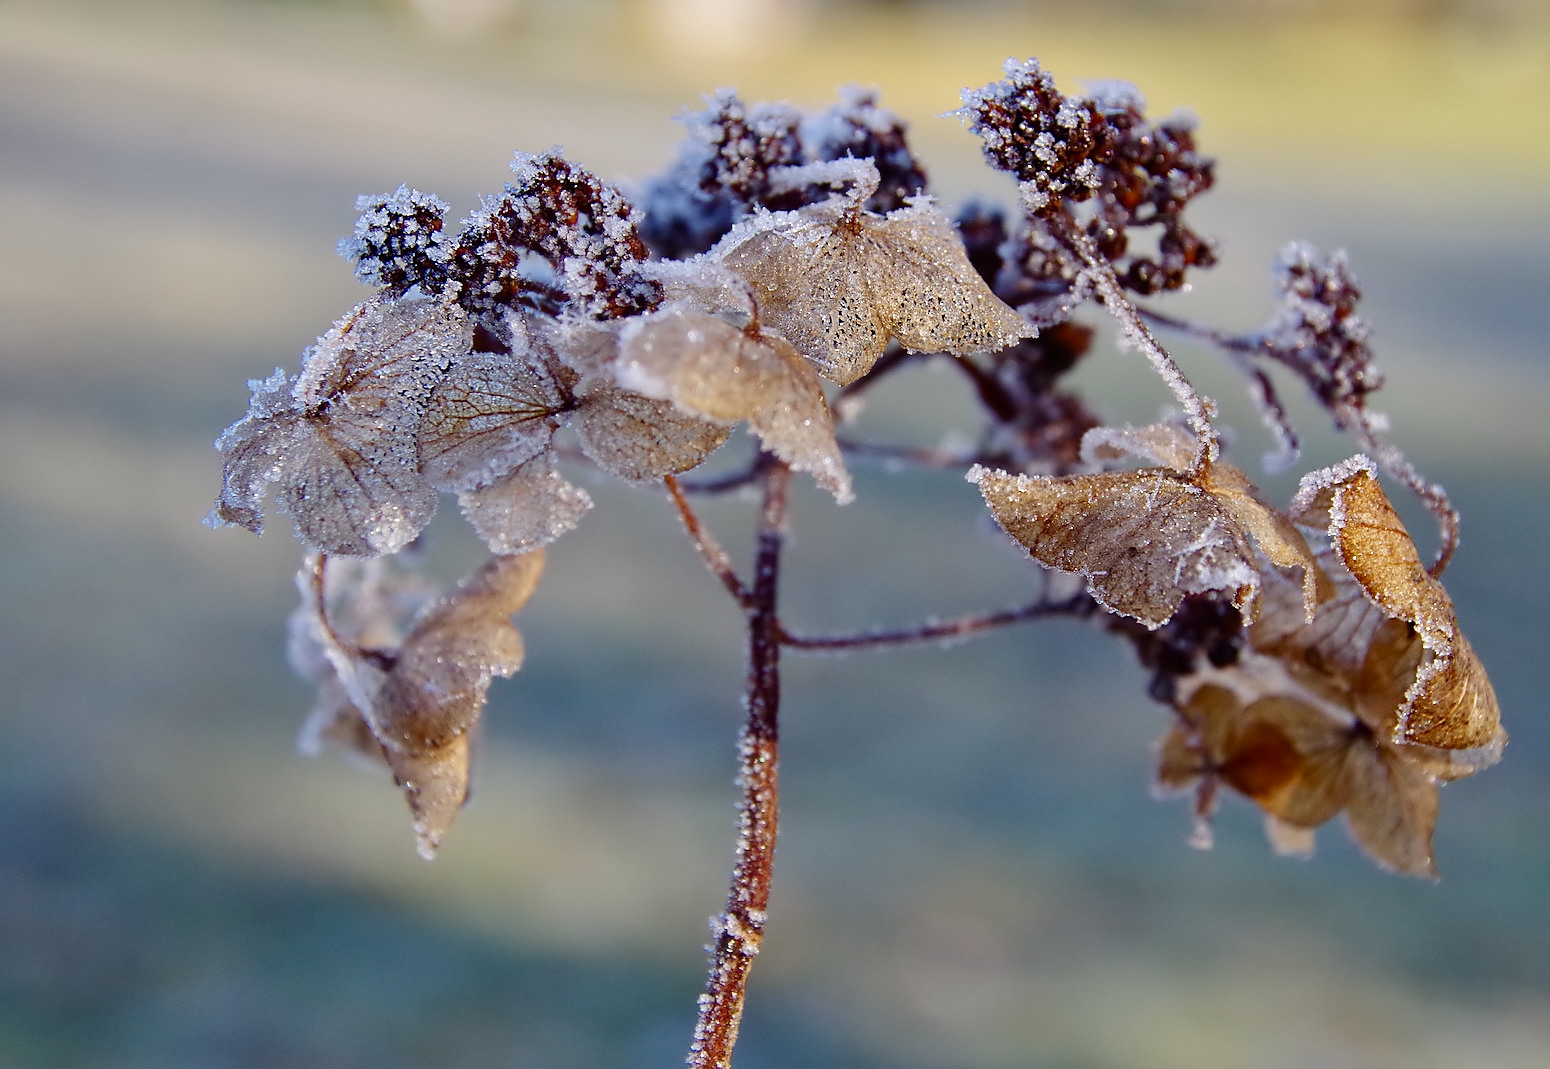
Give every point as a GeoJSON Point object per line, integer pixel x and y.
{"type": "Point", "coordinates": [715, 557]}
{"type": "Point", "coordinates": [960, 627]}
{"type": "Point", "coordinates": [740, 929]}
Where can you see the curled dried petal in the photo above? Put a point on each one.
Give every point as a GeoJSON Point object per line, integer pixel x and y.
{"type": "Point", "coordinates": [1450, 706]}
{"type": "Point", "coordinates": [430, 701]}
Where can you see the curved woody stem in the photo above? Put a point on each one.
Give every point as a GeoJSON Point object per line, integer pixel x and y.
{"type": "Point", "coordinates": [740, 928]}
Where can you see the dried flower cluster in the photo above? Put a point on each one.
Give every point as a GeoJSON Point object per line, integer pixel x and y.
{"type": "Point", "coordinates": [1311, 662]}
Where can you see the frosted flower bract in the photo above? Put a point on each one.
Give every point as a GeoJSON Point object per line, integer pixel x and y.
{"type": "Point", "coordinates": [710, 368]}
{"type": "Point", "coordinates": [339, 440]}
{"type": "Point", "coordinates": [840, 283]}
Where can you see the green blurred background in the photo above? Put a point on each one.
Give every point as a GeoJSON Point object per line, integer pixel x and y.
{"type": "Point", "coordinates": [971, 872]}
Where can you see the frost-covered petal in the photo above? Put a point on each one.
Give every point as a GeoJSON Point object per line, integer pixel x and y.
{"type": "Point", "coordinates": [840, 283]}
{"type": "Point", "coordinates": [492, 412]}
{"type": "Point", "coordinates": [529, 507]}
{"type": "Point", "coordinates": [710, 368]}
{"type": "Point", "coordinates": [1142, 539]}
{"type": "Point", "coordinates": [339, 440]}
{"type": "Point", "coordinates": [641, 438]}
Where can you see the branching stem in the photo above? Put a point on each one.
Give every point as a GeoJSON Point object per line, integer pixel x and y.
{"type": "Point", "coordinates": [939, 630]}
{"type": "Point", "coordinates": [715, 557]}
{"type": "Point", "coordinates": [740, 929]}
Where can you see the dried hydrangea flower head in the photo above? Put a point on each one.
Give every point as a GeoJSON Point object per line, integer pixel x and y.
{"type": "Point", "coordinates": [1310, 661]}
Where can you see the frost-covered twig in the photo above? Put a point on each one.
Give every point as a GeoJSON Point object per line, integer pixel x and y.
{"type": "Point", "coordinates": [1100, 272]}
{"type": "Point", "coordinates": [740, 928]}
{"type": "Point", "coordinates": [715, 557]}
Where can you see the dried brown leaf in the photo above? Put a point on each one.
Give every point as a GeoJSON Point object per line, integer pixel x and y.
{"type": "Point", "coordinates": [339, 441]}
{"type": "Point", "coordinates": [840, 283]}
{"type": "Point", "coordinates": [1142, 539]}
{"type": "Point", "coordinates": [710, 368]}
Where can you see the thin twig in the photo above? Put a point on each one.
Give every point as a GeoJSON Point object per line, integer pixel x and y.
{"type": "Point", "coordinates": [936, 630]}
{"type": "Point", "coordinates": [919, 456]}
{"type": "Point", "coordinates": [740, 929]}
{"type": "Point", "coordinates": [714, 556]}
{"type": "Point", "coordinates": [1262, 390]}
{"type": "Point", "coordinates": [1197, 409]}
{"type": "Point", "coordinates": [725, 483]}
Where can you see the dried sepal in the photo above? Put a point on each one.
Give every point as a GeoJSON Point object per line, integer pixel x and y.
{"type": "Point", "coordinates": [431, 700]}
{"type": "Point", "coordinates": [1450, 707]}
{"type": "Point", "coordinates": [1303, 765]}
{"type": "Point", "coordinates": [339, 440]}
{"type": "Point", "coordinates": [640, 438]}
{"type": "Point", "coordinates": [840, 283]}
{"type": "Point", "coordinates": [528, 507]}
{"type": "Point", "coordinates": [1143, 540]}
{"type": "Point", "coordinates": [1172, 446]}
{"type": "Point", "coordinates": [492, 412]}
{"type": "Point", "coordinates": [420, 698]}
{"type": "Point", "coordinates": [710, 368]}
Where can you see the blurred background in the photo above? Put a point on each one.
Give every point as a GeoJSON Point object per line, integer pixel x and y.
{"type": "Point", "coordinates": [972, 872]}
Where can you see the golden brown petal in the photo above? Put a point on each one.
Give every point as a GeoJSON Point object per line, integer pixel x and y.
{"type": "Point", "coordinates": [1142, 539]}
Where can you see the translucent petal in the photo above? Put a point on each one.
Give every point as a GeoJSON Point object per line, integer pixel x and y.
{"type": "Point", "coordinates": [529, 507]}
{"type": "Point", "coordinates": [340, 440]}
{"type": "Point", "coordinates": [492, 412]}
{"type": "Point", "coordinates": [840, 283]}
{"type": "Point", "coordinates": [710, 368]}
{"type": "Point", "coordinates": [641, 438]}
